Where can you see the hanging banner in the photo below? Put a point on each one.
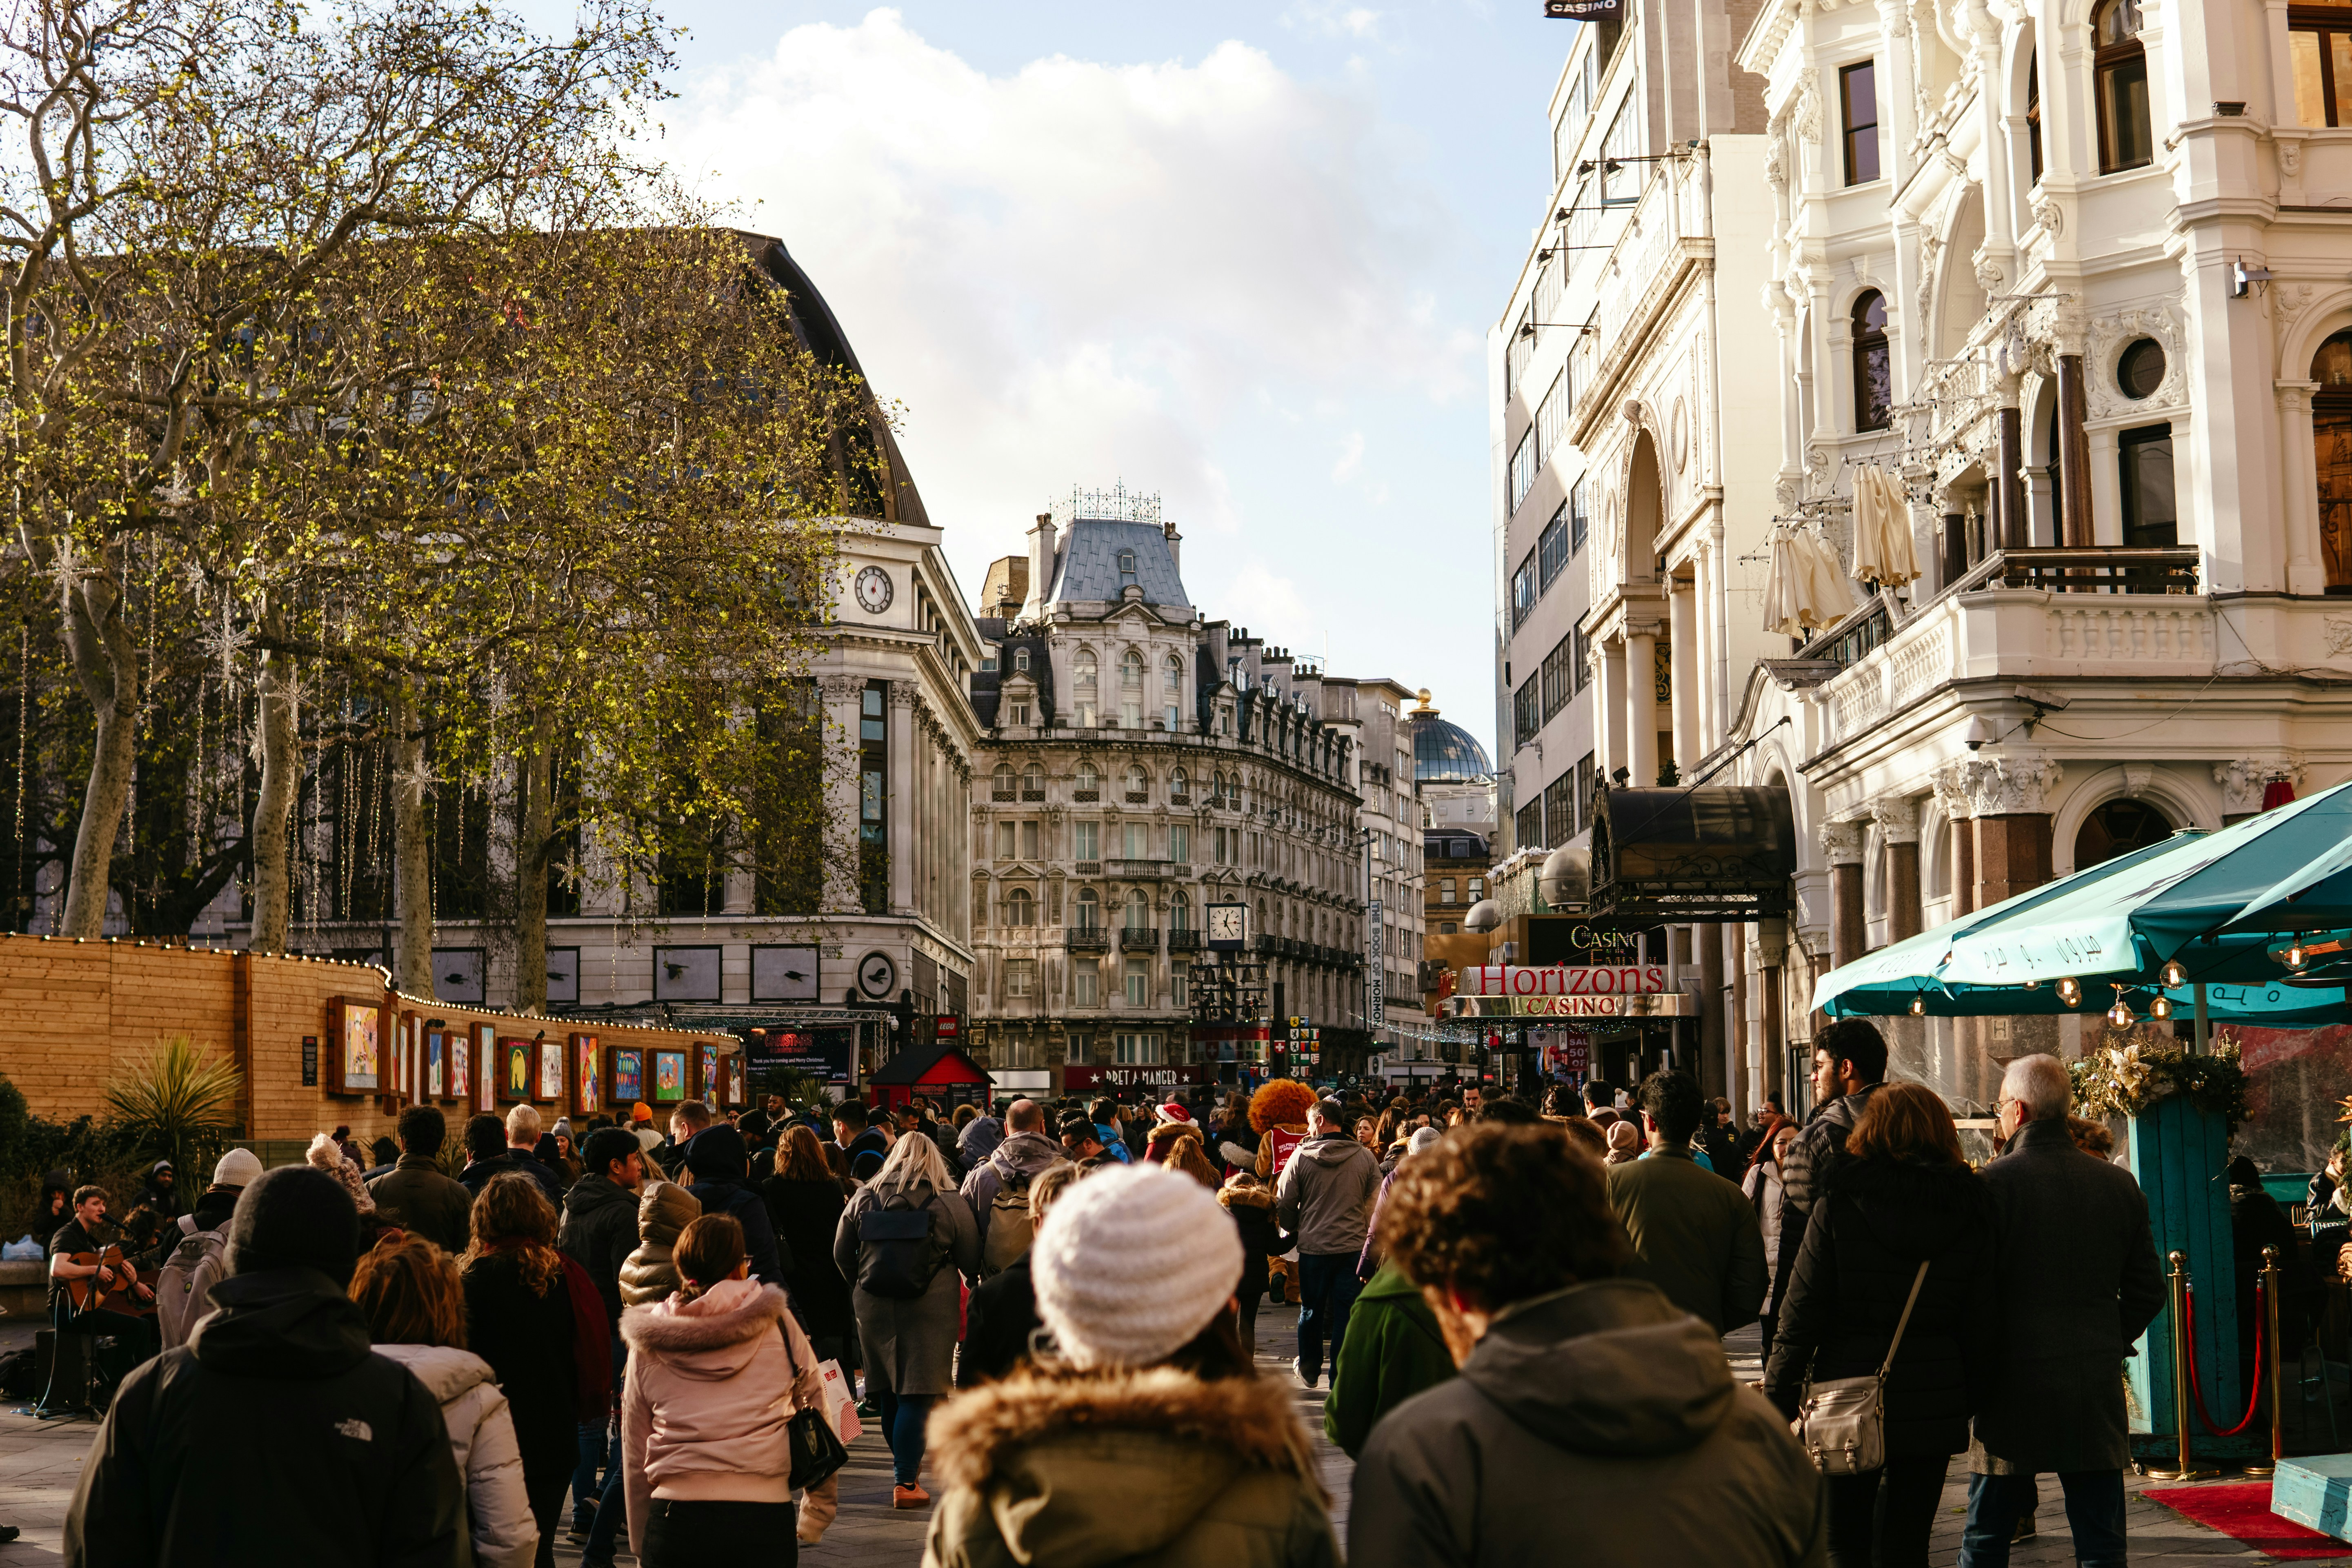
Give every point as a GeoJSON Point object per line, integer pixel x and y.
{"type": "Point", "coordinates": [1375, 976]}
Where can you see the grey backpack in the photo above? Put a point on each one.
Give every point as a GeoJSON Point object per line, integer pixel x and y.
{"type": "Point", "coordinates": [195, 1267]}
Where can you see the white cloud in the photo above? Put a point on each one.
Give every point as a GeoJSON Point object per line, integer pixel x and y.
{"type": "Point", "coordinates": [1083, 271]}
{"type": "Point", "coordinates": [1333, 21]}
{"type": "Point", "coordinates": [1351, 458]}
{"type": "Point", "coordinates": [1269, 604]}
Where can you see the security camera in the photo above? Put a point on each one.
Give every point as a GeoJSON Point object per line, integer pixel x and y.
{"type": "Point", "coordinates": [1979, 733]}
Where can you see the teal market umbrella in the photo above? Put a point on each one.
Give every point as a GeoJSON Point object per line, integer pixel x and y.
{"type": "Point", "coordinates": [2122, 929]}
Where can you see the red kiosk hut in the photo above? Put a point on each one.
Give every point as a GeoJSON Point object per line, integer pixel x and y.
{"type": "Point", "coordinates": [939, 1071]}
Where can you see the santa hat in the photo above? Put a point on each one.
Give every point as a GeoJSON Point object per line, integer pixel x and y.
{"type": "Point", "coordinates": [1171, 1111]}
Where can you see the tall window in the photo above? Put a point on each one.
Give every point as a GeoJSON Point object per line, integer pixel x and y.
{"type": "Point", "coordinates": [1858, 106]}
{"type": "Point", "coordinates": [2034, 113]}
{"type": "Point", "coordinates": [872, 831]}
{"type": "Point", "coordinates": [1088, 836]}
{"type": "Point", "coordinates": [1579, 658]}
{"type": "Point", "coordinates": [1083, 677]}
{"type": "Point", "coordinates": [1179, 976]}
{"type": "Point", "coordinates": [1180, 911]}
{"type": "Point", "coordinates": [1139, 784]}
{"type": "Point", "coordinates": [1525, 712]}
{"type": "Point", "coordinates": [1551, 417]}
{"type": "Point", "coordinates": [1520, 349]}
{"type": "Point", "coordinates": [1620, 181]}
{"type": "Point", "coordinates": [1130, 691]}
{"type": "Point", "coordinates": [2119, 82]}
{"type": "Point", "coordinates": [1559, 808]}
{"type": "Point", "coordinates": [2319, 50]}
{"type": "Point", "coordinates": [1559, 682]}
{"type": "Point", "coordinates": [1139, 911]}
{"type": "Point", "coordinates": [1172, 692]}
{"type": "Point", "coordinates": [1523, 592]}
{"type": "Point", "coordinates": [1180, 784]}
{"type": "Point", "coordinates": [1020, 976]}
{"type": "Point", "coordinates": [1179, 843]}
{"type": "Point", "coordinates": [1874, 383]}
{"type": "Point", "coordinates": [2331, 430]}
{"type": "Point", "coordinates": [1089, 908]}
{"type": "Point", "coordinates": [1085, 982]}
{"type": "Point", "coordinates": [1139, 983]}
{"type": "Point", "coordinates": [1523, 466]}
{"type": "Point", "coordinates": [1588, 791]}
{"type": "Point", "coordinates": [2145, 456]}
{"type": "Point", "coordinates": [1530, 825]}
{"type": "Point", "coordinates": [1135, 840]}
{"type": "Point", "coordinates": [1089, 782]}
{"type": "Point", "coordinates": [1580, 514]}
{"type": "Point", "coordinates": [1020, 908]}
{"type": "Point", "coordinates": [1552, 551]}
{"type": "Point", "coordinates": [1032, 781]}
{"type": "Point", "coordinates": [1000, 780]}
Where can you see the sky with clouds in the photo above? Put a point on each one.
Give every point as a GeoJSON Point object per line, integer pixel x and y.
{"type": "Point", "coordinates": [1241, 255]}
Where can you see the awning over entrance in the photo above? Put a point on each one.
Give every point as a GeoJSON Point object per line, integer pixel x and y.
{"type": "Point", "coordinates": [1715, 853]}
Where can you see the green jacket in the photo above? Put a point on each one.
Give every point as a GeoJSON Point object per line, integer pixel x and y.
{"type": "Point", "coordinates": [1393, 1352]}
{"type": "Point", "coordinates": [1695, 1236]}
{"type": "Point", "coordinates": [1144, 1469]}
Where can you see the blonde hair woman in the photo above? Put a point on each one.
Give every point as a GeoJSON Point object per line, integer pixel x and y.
{"type": "Point", "coordinates": [902, 1273]}
{"type": "Point", "coordinates": [416, 1315]}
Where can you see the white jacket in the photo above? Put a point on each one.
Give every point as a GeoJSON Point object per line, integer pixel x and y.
{"type": "Point", "coordinates": [482, 1435]}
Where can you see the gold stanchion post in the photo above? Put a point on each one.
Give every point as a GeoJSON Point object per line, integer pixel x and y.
{"type": "Point", "coordinates": [2271, 1372]}
{"type": "Point", "coordinates": [2187, 1469]}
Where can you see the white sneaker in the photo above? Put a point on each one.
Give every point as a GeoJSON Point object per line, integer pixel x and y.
{"type": "Point", "coordinates": [1299, 1371]}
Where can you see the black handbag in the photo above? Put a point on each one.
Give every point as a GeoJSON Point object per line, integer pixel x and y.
{"type": "Point", "coordinates": [817, 1450]}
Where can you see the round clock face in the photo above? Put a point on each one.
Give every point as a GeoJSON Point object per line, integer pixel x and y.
{"type": "Point", "coordinates": [877, 975]}
{"type": "Point", "coordinates": [874, 592]}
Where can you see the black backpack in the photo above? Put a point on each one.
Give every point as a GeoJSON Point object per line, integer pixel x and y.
{"type": "Point", "coordinates": [897, 1254]}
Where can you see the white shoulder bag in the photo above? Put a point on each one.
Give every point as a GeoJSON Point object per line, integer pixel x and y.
{"type": "Point", "coordinates": [1842, 1424]}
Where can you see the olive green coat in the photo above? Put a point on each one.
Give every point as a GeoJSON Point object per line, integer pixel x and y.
{"type": "Point", "coordinates": [1146, 1470]}
{"type": "Point", "coordinates": [1393, 1352]}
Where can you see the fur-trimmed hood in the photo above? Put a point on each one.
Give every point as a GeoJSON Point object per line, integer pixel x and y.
{"type": "Point", "coordinates": [1083, 1470]}
{"type": "Point", "coordinates": [715, 1335]}
{"type": "Point", "coordinates": [1236, 1193]}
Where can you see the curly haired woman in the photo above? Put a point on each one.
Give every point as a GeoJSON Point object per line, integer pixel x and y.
{"type": "Point", "coordinates": [1278, 1115]}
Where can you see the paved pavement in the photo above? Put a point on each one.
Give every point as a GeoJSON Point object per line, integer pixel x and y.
{"type": "Point", "coordinates": [39, 1462]}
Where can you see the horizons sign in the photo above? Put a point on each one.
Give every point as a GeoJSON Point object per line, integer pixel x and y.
{"type": "Point", "coordinates": [1561, 980]}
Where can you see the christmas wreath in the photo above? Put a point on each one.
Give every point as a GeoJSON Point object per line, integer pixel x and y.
{"type": "Point", "coordinates": [2126, 1080]}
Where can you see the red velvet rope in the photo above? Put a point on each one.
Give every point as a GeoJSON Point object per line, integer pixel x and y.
{"type": "Point", "coordinates": [2262, 1347]}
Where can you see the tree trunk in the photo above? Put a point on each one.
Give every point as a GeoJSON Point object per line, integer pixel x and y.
{"type": "Point", "coordinates": [412, 956]}
{"type": "Point", "coordinates": [534, 846]}
{"type": "Point", "coordinates": [106, 664]}
{"type": "Point", "coordinates": [282, 776]}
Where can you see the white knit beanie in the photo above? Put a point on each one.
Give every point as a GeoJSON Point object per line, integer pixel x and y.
{"type": "Point", "coordinates": [1131, 1263]}
{"type": "Point", "coordinates": [237, 1168]}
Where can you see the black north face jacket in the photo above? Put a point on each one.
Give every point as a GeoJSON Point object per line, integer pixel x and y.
{"type": "Point", "coordinates": [274, 1434]}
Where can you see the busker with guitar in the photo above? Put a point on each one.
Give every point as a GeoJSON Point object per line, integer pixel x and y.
{"type": "Point", "coordinates": [94, 1290]}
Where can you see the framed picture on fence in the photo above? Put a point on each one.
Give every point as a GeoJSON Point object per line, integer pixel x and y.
{"type": "Point", "coordinates": [355, 1030]}
{"type": "Point", "coordinates": [587, 1076]}
{"type": "Point", "coordinates": [670, 1075]}
{"type": "Point", "coordinates": [628, 1076]}
{"type": "Point", "coordinates": [436, 1065]}
{"type": "Point", "coordinates": [550, 1070]}
{"type": "Point", "coordinates": [707, 1082]}
{"type": "Point", "coordinates": [515, 1082]}
{"type": "Point", "coordinates": [461, 1062]}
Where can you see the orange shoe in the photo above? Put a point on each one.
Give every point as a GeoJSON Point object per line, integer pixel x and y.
{"type": "Point", "coordinates": [909, 1497]}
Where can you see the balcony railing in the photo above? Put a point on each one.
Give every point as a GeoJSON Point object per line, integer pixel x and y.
{"type": "Point", "coordinates": [1086, 939]}
{"type": "Point", "coordinates": [1183, 941]}
{"type": "Point", "coordinates": [1033, 795]}
{"type": "Point", "coordinates": [1133, 869]}
{"type": "Point", "coordinates": [1139, 939]}
{"type": "Point", "coordinates": [1089, 867]}
{"type": "Point", "coordinates": [2123, 568]}
{"type": "Point", "coordinates": [1083, 795]}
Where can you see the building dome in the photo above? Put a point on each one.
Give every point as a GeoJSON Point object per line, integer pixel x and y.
{"type": "Point", "coordinates": [1444, 753]}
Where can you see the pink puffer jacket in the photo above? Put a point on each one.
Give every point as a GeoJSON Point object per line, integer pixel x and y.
{"type": "Point", "coordinates": [711, 1384]}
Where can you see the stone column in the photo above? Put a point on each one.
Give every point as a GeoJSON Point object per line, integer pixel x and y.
{"type": "Point", "coordinates": [1842, 846]}
{"type": "Point", "coordinates": [2008, 484]}
{"type": "Point", "coordinates": [1952, 793]}
{"type": "Point", "coordinates": [1715, 1075]}
{"type": "Point", "coordinates": [1898, 829]}
{"type": "Point", "coordinates": [2012, 825]}
{"type": "Point", "coordinates": [1681, 613]}
{"type": "Point", "coordinates": [1772, 1018]}
{"type": "Point", "coordinates": [1610, 711]}
{"type": "Point", "coordinates": [2306, 570]}
{"type": "Point", "coordinates": [1954, 541]}
{"type": "Point", "coordinates": [1642, 703]}
{"type": "Point", "coordinates": [2074, 445]}
{"type": "Point", "coordinates": [841, 694]}
{"type": "Point", "coordinates": [1729, 941]}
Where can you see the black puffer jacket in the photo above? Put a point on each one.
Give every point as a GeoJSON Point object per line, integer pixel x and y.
{"type": "Point", "coordinates": [274, 1434]}
{"type": "Point", "coordinates": [1861, 1250]}
{"type": "Point", "coordinates": [600, 1231]}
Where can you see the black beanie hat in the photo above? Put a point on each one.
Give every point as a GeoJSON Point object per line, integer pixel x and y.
{"type": "Point", "coordinates": [717, 1151]}
{"type": "Point", "coordinates": [605, 1145]}
{"type": "Point", "coordinates": [295, 1216]}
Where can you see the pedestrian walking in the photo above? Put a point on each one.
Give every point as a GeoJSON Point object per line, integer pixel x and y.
{"type": "Point", "coordinates": [664, 1211]}
{"type": "Point", "coordinates": [1325, 1196]}
{"type": "Point", "coordinates": [1762, 1186]}
{"type": "Point", "coordinates": [519, 1318]}
{"type": "Point", "coordinates": [721, 1167]}
{"type": "Point", "coordinates": [598, 1232]}
{"type": "Point", "coordinates": [414, 1195]}
{"type": "Point", "coordinates": [1849, 1064]}
{"type": "Point", "coordinates": [275, 1434]}
{"type": "Point", "coordinates": [718, 1369]}
{"type": "Point", "coordinates": [1901, 1242]}
{"type": "Point", "coordinates": [804, 1201]}
{"type": "Point", "coordinates": [1593, 1420]}
{"type": "Point", "coordinates": [1393, 1350]}
{"type": "Point", "coordinates": [1694, 1235]}
{"type": "Point", "coordinates": [1263, 1240]}
{"type": "Point", "coordinates": [1002, 1312]}
{"type": "Point", "coordinates": [903, 1240]}
{"type": "Point", "coordinates": [416, 1309]}
{"type": "Point", "coordinates": [998, 1189]}
{"type": "Point", "coordinates": [1624, 1141]}
{"type": "Point", "coordinates": [495, 1148]}
{"type": "Point", "coordinates": [1150, 1439]}
{"type": "Point", "coordinates": [2075, 1282]}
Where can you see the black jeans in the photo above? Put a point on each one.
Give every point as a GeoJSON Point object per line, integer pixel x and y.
{"type": "Point", "coordinates": [1882, 1520]}
{"type": "Point", "coordinates": [707, 1535]}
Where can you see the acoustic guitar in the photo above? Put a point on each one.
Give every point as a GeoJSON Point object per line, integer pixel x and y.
{"type": "Point", "coordinates": [90, 1293]}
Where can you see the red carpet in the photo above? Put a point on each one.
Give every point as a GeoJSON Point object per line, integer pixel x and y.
{"type": "Point", "coordinates": [2241, 1511]}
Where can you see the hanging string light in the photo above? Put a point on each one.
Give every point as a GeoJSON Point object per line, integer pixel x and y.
{"type": "Point", "coordinates": [2120, 1014]}
{"type": "Point", "coordinates": [2175, 975]}
{"type": "Point", "coordinates": [2070, 991]}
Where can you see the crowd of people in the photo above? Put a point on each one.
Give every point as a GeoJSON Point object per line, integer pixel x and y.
{"type": "Point", "coordinates": [1048, 1311]}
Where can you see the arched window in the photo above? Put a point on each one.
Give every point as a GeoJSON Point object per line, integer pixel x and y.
{"type": "Point", "coordinates": [1874, 380]}
{"type": "Point", "coordinates": [2116, 828]}
{"type": "Point", "coordinates": [1172, 693]}
{"type": "Point", "coordinates": [2331, 433]}
{"type": "Point", "coordinates": [1130, 691]}
{"type": "Point", "coordinates": [1139, 784]}
{"type": "Point", "coordinates": [1032, 780]}
{"type": "Point", "coordinates": [2033, 114]}
{"type": "Point", "coordinates": [1089, 909]}
{"type": "Point", "coordinates": [1180, 783]}
{"type": "Point", "coordinates": [1089, 695]}
{"type": "Point", "coordinates": [2120, 79]}
{"type": "Point", "coordinates": [1139, 911]}
{"type": "Point", "coordinates": [1021, 661]}
{"type": "Point", "coordinates": [1089, 780]}
{"type": "Point", "coordinates": [1001, 781]}
{"type": "Point", "coordinates": [1180, 912]}
{"type": "Point", "coordinates": [1020, 908]}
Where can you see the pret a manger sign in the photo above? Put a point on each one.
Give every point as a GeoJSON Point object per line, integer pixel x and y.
{"type": "Point", "coordinates": [1561, 980]}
